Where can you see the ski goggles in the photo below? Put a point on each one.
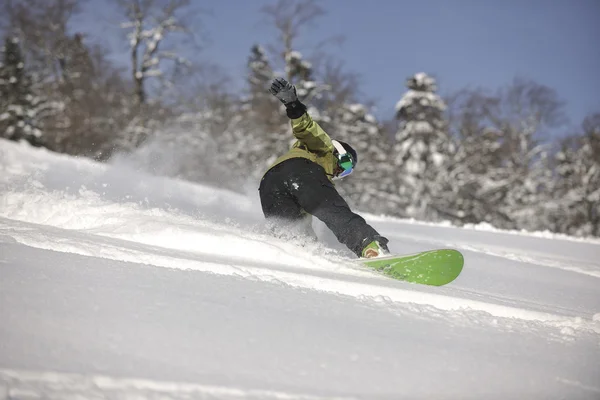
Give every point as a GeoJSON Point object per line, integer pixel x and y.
{"type": "Point", "coordinates": [346, 164]}
{"type": "Point", "coordinates": [344, 160]}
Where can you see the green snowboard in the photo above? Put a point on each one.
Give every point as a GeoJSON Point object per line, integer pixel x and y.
{"type": "Point", "coordinates": [434, 267]}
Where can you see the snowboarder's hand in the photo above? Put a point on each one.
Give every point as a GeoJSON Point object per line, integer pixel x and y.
{"type": "Point", "coordinates": [284, 91]}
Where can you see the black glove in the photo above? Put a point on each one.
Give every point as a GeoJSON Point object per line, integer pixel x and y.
{"type": "Point", "coordinates": [286, 93]}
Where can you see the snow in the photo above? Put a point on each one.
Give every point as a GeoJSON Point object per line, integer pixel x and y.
{"type": "Point", "coordinates": [294, 55]}
{"type": "Point", "coordinates": [412, 96]}
{"type": "Point", "coordinates": [308, 85]}
{"type": "Point", "coordinates": [115, 283]}
{"type": "Point", "coordinates": [357, 108]}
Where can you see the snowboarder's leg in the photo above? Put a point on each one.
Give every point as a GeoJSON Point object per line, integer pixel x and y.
{"type": "Point", "coordinates": [315, 193]}
{"type": "Point", "coordinates": [284, 215]}
{"type": "Point", "coordinates": [349, 228]}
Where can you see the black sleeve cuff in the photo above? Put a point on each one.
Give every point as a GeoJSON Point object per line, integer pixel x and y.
{"type": "Point", "coordinates": [295, 109]}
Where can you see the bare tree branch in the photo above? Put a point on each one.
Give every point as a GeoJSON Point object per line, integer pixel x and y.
{"type": "Point", "coordinates": [289, 17]}
{"type": "Point", "coordinates": [151, 23]}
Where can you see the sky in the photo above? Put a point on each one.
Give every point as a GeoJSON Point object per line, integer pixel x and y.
{"type": "Point", "coordinates": [463, 43]}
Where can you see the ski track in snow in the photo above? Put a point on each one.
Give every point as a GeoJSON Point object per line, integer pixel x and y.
{"type": "Point", "coordinates": [316, 277]}
{"type": "Point", "coordinates": [59, 203]}
{"type": "Point", "coordinates": [27, 384]}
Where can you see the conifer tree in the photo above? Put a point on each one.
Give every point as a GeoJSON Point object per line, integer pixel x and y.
{"type": "Point", "coordinates": [523, 112]}
{"type": "Point", "coordinates": [475, 183]}
{"type": "Point", "coordinates": [575, 208]}
{"type": "Point", "coordinates": [421, 148]}
{"type": "Point", "coordinates": [365, 188]}
{"type": "Point", "coordinates": [259, 105]}
{"type": "Point", "coordinates": [263, 133]}
{"type": "Point", "coordinates": [22, 111]}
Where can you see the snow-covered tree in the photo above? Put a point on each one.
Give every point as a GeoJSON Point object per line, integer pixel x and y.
{"type": "Point", "coordinates": [365, 188]}
{"type": "Point", "coordinates": [300, 72]}
{"type": "Point", "coordinates": [22, 110]}
{"type": "Point", "coordinates": [522, 113]}
{"type": "Point", "coordinates": [476, 181]}
{"type": "Point", "coordinates": [259, 105]}
{"type": "Point", "coordinates": [265, 134]}
{"type": "Point", "coordinates": [500, 172]}
{"type": "Point", "coordinates": [260, 72]}
{"type": "Point", "coordinates": [421, 148]}
{"type": "Point", "coordinates": [575, 207]}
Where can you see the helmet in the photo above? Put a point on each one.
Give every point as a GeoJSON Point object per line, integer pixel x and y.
{"type": "Point", "coordinates": [346, 156]}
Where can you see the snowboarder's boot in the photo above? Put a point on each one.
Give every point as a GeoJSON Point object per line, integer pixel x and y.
{"type": "Point", "coordinates": [375, 249]}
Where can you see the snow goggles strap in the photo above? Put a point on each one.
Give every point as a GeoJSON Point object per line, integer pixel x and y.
{"type": "Point", "coordinates": [345, 161]}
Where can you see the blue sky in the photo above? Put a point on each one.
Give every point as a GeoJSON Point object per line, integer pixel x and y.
{"type": "Point", "coordinates": [463, 43]}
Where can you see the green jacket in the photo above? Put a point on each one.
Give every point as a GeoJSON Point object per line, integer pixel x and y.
{"type": "Point", "coordinates": [313, 144]}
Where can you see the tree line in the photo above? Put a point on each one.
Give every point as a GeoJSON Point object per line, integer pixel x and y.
{"type": "Point", "coordinates": [474, 156]}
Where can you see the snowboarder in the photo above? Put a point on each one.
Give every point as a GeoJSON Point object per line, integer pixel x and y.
{"type": "Point", "coordinates": [300, 183]}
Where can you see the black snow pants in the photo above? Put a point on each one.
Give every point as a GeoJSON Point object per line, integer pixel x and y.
{"type": "Point", "coordinates": [298, 186]}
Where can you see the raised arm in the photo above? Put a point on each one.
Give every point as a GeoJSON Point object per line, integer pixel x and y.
{"type": "Point", "coordinates": [309, 132]}
{"type": "Point", "coordinates": [304, 128]}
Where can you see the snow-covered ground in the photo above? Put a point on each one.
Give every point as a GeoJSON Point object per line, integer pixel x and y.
{"type": "Point", "coordinates": [118, 284]}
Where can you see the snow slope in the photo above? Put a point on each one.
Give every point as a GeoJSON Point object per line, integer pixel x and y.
{"type": "Point", "coordinates": [115, 283]}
